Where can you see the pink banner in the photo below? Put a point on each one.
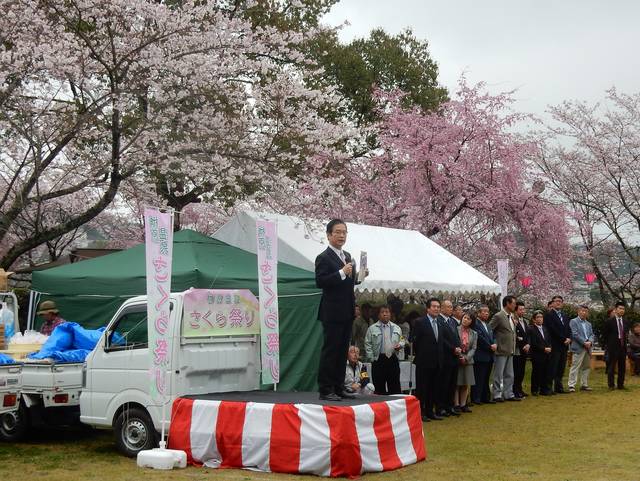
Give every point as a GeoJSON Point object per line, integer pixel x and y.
{"type": "Point", "coordinates": [220, 312]}
{"type": "Point", "coordinates": [159, 250]}
{"type": "Point", "coordinates": [267, 238]}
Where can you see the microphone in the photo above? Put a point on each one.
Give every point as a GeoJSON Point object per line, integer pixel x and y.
{"type": "Point", "coordinates": [347, 260]}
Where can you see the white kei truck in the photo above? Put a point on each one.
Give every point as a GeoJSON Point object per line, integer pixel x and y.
{"type": "Point", "coordinates": [112, 387]}
{"type": "Point", "coordinates": [10, 385]}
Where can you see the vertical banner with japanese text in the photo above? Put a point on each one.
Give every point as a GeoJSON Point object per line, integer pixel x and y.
{"type": "Point", "coordinates": [159, 249]}
{"type": "Point", "coordinates": [503, 278]}
{"type": "Point", "coordinates": [267, 238]}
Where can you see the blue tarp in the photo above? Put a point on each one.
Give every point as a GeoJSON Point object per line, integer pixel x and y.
{"type": "Point", "coordinates": [69, 342]}
{"type": "Point", "coordinates": [4, 359]}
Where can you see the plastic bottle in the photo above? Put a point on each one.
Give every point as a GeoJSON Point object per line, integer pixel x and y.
{"type": "Point", "coordinates": [7, 318]}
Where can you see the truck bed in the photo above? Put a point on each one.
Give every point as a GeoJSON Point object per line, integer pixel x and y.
{"type": "Point", "coordinates": [43, 376]}
{"type": "Point", "coordinates": [10, 385]}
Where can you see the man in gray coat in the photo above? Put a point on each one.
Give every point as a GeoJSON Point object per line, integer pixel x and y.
{"type": "Point", "coordinates": [581, 346]}
{"type": "Point", "coordinates": [505, 334]}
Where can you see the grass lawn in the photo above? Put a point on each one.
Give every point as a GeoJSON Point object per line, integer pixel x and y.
{"type": "Point", "coordinates": [580, 436]}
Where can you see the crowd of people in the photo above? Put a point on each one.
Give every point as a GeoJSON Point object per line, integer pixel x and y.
{"type": "Point", "coordinates": [460, 357]}
{"type": "Point", "coordinates": [466, 357]}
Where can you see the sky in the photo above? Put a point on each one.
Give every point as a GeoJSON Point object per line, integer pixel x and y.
{"type": "Point", "coordinates": [550, 51]}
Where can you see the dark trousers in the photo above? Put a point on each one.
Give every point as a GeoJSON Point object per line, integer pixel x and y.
{"type": "Point", "coordinates": [333, 357]}
{"type": "Point", "coordinates": [426, 385]}
{"type": "Point", "coordinates": [635, 362]}
{"type": "Point", "coordinates": [481, 391]}
{"type": "Point", "coordinates": [558, 364]}
{"type": "Point", "coordinates": [519, 363]}
{"type": "Point", "coordinates": [541, 374]}
{"type": "Point", "coordinates": [385, 374]}
{"type": "Point", "coordinates": [616, 359]}
{"type": "Point", "coordinates": [448, 381]}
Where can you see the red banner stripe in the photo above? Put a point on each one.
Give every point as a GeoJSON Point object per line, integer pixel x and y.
{"type": "Point", "coordinates": [229, 433]}
{"type": "Point", "coordinates": [386, 440]}
{"type": "Point", "coordinates": [345, 447]}
{"type": "Point", "coordinates": [414, 420]}
{"type": "Point", "coordinates": [284, 449]}
{"type": "Point", "coordinates": [180, 428]}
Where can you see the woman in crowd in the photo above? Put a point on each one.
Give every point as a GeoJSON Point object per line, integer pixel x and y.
{"type": "Point", "coordinates": [468, 343]}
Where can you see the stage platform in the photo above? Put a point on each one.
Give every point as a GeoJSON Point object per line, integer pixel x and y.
{"type": "Point", "coordinates": [295, 432]}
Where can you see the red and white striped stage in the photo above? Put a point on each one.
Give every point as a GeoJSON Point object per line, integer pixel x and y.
{"type": "Point", "coordinates": [270, 432]}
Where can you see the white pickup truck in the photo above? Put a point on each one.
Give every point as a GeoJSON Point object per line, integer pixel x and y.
{"type": "Point", "coordinates": [112, 386]}
{"type": "Point", "coordinates": [10, 385]}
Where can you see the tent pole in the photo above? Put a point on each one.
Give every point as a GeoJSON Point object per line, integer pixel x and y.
{"type": "Point", "coordinates": [30, 312]}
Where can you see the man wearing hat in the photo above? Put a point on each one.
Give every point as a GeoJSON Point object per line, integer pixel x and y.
{"type": "Point", "coordinates": [49, 312]}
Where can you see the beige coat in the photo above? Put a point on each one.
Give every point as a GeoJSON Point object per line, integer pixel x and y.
{"type": "Point", "coordinates": [505, 333]}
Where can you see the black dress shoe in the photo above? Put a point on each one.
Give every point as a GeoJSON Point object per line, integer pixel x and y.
{"type": "Point", "coordinates": [444, 414]}
{"type": "Point", "coordinates": [346, 395]}
{"type": "Point", "coordinates": [453, 412]}
{"type": "Point", "coordinates": [425, 418]}
{"type": "Point", "coordinates": [435, 417]}
{"type": "Point", "coordinates": [465, 409]}
{"type": "Point", "coordinates": [490, 401]}
{"type": "Point", "coordinates": [498, 400]}
{"type": "Point", "coordinates": [514, 399]}
{"type": "Point", "coordinates": [330, 397]}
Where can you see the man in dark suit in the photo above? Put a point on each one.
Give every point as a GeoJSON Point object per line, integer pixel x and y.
{"type": "Point", "coordinates": [451, 361]}
{"type": "Point", "coordinates": [540, 353]}
{"type": "Point", "coordinates": [559, 329]}
{"type": "Point", "coordinates": [522, 350]}
{"type": "Point", "coordinates": [335, 275]}
{"type": "Point", "coordinates": [614, 334]}
{"type": "Point", "coordinates": [427, 339]}
{"type": "Point", "coordinates": [483, 358]}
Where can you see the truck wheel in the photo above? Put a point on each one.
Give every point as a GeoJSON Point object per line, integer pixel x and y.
{"type": "Point", "coordinates": [14, 425]}
{"type": "Point", "coordinates": [134, 432]}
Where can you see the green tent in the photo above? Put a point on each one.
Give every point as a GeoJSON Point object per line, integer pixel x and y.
{"type": "Point", "coordinates": [90, 292]}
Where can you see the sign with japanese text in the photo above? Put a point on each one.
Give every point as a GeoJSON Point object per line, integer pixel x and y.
{"type": "Point", "coordinates": [503, 277]}
{"type": "Point", "coordinates": [267, 238]}
{"type": "Point", "coordinates": [220, 312]}
{"type": "Point", "coordinates": [158, 236]}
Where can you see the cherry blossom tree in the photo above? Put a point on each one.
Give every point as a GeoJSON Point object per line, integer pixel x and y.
{"type": "Point", "coordinates": [591, 158]}
{"type": "Point", "coordinates": [188, 99]}
{"type": "Point", "coordinates": [460, 177]}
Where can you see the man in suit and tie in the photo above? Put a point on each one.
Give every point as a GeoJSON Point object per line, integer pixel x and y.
{"type": "Point", "coordinates": [581, 345]}
{"type": "Point", "coordinates": [335, 275]}
{"type": "Point", "coordinates": [522, 350]}
{"type": "Point", "coordinates": [505, 333]}
{"type": "Point", "coordinates": [428, 349]}
{"type": "Point", "coordinates": [540, 352]}
{"type": "Point", "coordinates": [483, 358]}
{"type": "Point", "coordinates": [614, 333]}
{"type": "Point", "coordinates": [451, 361]}
{"type": "Point", "coordinates": [558, 326]}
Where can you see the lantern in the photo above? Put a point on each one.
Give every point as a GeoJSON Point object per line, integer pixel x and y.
{"type": "Point", "coordinates": [526, 282]}
{"type": "Point", "coordinates": [590, 277]}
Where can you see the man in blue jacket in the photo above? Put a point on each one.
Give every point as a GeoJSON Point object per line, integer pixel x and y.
{"type": "Point", "coordinates": [581, 345]}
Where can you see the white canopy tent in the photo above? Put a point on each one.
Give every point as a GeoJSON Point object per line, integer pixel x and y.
{"type": "Point", "coordinates": [398, 260]}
